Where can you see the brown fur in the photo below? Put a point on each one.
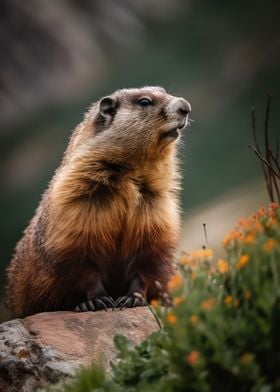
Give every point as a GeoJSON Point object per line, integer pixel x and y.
{"type": "Point", "coordinates": [110, 212]}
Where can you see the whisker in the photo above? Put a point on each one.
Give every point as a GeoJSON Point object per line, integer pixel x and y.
{"type": "Point", "coordinates": [189, 122]}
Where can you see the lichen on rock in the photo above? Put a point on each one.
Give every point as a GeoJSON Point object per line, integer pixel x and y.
{"type": "Point", "coordinates": [47, 347]}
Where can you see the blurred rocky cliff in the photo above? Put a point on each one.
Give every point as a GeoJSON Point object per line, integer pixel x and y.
{"type": "Point", "coordinates": [54, 50]}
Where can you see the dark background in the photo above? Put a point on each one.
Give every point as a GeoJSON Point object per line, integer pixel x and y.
{"type": "Point", "coordinates": [58, 57]}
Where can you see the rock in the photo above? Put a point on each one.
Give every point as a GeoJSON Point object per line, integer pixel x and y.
{"type": "Point", "coordinates": [45, 347]}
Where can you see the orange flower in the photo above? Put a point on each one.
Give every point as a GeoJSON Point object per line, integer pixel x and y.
{"type": "Point", "coordinates": [246, 358]}
{"type": "Point", "coordinates": [247, 223]}
{"type": "Point", "coordinates": [197, 254]}
{"type": "Point", "coordinates": [193, 357]}
{"type": "Point", "coordinates": [202, 254]}
{"type": "Point", "coordinates": [194, 319]}
{"type": "Point", "coordinates": [185, 259]}
{"type": "Point", "coordinates": [258, 226]}
{"type": "Point", "coordinates": [223, 266]}
{"type": "Point", "coordinates": [249, 239]}
{"type": "Point", "coordinates": [273, 206]}
{"type": "Point", "coordinates": [261, 212]}
{"type": "Point", "coordinates": [193, 255]}
{"type": "Point", "coordinates": [208, 254]}
{"type": "Point", "coordinates": [246, 228]}
{"type": "Point", "coordinates": [248, 294]}
{"type": "Point", "coordinates": [228, 300]}
{"type": "Point", "coordinates": [192, 275]}
{"type": "Point", "coordinates": [171, 318]}
{"type": "Point", "coordinates": [175, 282]}
{"type": "Point", "coordinates": [178, 300]}
{"type": "Point", "coordinates": [272, 222]}
{"type": "Point", "coordinates": [154, 303]}
{"type": "Point", "coordinates": [269, 245]}
{"type": "Point", "coordinates": [242, 262]}
{"type": "Point", "coordinates": [208, 304]}
{"type": "Point", "coordinates": [234, 235]}
{"type": "Point", "coordinates": [236, 303]}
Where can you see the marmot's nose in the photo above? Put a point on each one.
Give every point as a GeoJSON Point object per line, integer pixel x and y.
{"type": "Point", "coordinates": [183, 107]}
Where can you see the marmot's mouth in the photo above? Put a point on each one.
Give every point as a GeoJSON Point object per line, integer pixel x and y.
{"type": "Point", "coordinates": [173, 133]}
{"type": "Point", "coordinates": [182, 125]}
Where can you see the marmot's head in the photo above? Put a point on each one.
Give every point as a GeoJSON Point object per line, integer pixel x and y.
{"type": "Point", "coordinates": [141, 122]}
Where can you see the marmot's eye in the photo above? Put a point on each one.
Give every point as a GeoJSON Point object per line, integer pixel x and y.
{"type": "Point", "coordinates": [145, 101]}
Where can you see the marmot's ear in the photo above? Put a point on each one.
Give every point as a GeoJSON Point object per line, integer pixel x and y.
{"type": "Point", "coordinates": [108, 106]}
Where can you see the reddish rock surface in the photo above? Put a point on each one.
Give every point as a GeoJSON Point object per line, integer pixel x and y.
{"type": "Point", "coordinates": [48, 346]}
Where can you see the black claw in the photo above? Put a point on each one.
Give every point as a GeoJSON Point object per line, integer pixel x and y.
{"type": "Point", "coordinates": [127, 303]}
{"type": "Point", "coordinates": [119, 301]}
{"type": "Point", "coordinates": [130, 301]}
{"type": "Point", "coordinates": [98, 303]}
{"type": "Point", "coordinates": [91, 306]}
{"type": "Point", "coordinates": [108, 301]}
{"type": "Point", "coordinates": [140, 302]}
{"type": "Point", "coordinates": [83, 307]}
{"type": "Point", "coordinates": [101, 304]}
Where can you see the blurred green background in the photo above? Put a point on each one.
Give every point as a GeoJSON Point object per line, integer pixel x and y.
{"type": "Point", "coordinates": [58, 57]}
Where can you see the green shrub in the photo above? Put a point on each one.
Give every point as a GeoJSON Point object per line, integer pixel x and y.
{"type": "Point", "coordinates": [223, 331]}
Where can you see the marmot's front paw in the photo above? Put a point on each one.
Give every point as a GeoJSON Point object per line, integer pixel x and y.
{"type": "Point", "coordinates": [130, 301]}
{"type": "Point", "coordinates": [100, 303]}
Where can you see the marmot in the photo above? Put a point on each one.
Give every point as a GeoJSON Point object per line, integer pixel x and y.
{"type": "Point", "coordinates": [108, 224]}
